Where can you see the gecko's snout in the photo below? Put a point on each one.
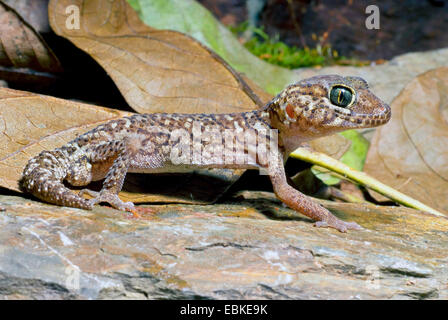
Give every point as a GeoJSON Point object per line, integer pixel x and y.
{"type": "Point", "coordinates": [369, 110]}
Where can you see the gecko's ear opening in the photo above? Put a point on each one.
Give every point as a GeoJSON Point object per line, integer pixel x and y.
{"type": "Point", "coordinates": [342, 96]}
{"type": "Point", "coordinates": [271, 104]}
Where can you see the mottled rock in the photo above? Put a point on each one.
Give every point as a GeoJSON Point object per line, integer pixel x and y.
{"type": "Point", "coordinates": [249, 247]}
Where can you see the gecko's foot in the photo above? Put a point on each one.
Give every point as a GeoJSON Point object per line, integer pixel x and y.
{"type": "Point", "coordinates": [113, 200]}
{"type": "Point", "coordinates": [339, 225]}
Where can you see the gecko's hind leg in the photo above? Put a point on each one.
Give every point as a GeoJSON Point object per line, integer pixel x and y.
{"type": "Point", "coordinates": [91, 193]}
{"type": "Point", "coordinates": [114, 179]}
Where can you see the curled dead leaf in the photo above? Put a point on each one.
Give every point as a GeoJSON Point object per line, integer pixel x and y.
{"type": "Point", "coordinates": [410, 153]}
{"type": "Point", "coordinates": [35, 12]}
{"type": "Point", "coordinates": [21, 46]}
{"type": "Point", "coordinates": [155, 70]}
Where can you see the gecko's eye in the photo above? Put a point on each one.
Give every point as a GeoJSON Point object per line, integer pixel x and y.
{"type": "Point", "coordinates": [341, 96]}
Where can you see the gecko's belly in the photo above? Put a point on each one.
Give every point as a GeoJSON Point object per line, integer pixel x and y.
{"type": "Point", "coordinates": [189, 168]}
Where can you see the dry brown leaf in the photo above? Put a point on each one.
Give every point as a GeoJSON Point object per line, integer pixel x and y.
{"type": "Point", "coordinates": [35, 12]}
{"type": "Point", "coordinates": [410, 153]}
{"type": "Point", "coordinates": [21, 46]}
{"type": "Point", "coordinates": [335, 145]}
{"type": "Point", "coordinates": [155, 70]}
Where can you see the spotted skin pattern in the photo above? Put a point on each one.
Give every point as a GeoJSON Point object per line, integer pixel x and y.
{"type": "Point", "coordinates": [145, 142]}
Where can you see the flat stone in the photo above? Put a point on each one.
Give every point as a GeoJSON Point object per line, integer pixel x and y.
{"type": "Point", "coordinates": [250, 247]}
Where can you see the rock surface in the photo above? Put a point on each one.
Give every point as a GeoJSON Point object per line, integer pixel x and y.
{"type": "Point", "coordinates": [249, 247]}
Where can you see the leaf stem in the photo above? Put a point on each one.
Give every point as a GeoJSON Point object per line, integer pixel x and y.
{"type": "Point", "coordinates": [362, 178]}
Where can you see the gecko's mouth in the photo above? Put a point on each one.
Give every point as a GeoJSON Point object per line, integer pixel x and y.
{"type": "Point", "coordinates": [367, 119]}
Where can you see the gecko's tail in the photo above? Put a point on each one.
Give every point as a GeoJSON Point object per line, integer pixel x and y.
{"type": "Point", "coordinates": [43, 177]}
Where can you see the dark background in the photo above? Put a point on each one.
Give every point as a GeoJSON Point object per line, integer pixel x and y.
{"type": "Point", "coordinates": [405, 25]}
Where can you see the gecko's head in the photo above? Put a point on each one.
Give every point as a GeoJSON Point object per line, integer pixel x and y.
{"type": "Point", "coordinates": [327, 104]}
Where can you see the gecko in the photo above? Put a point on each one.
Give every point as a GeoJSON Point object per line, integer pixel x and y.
{"type": "Point", "coordinates": [160, 142]}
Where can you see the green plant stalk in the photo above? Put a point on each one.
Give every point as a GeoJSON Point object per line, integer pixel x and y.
{"type": "Point", "coordinates": [362, 178]}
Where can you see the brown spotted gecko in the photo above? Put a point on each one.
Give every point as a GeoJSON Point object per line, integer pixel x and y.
{"type": "Point", "coordinates": [151, 143]}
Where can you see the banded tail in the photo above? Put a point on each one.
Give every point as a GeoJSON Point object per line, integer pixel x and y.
{"type": "Point", "coordinates": [43, 177]}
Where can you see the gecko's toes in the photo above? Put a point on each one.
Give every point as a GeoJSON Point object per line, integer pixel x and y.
{"type": "Point", "coordinates": [123, 206]}
{"type": "Point", "coordinates": [114, 201]}
{"type": "Point", "coordinates": [135, 214]}
{"type": "Point", "coordinates": [339, 225]}
{"type": "Point", "coordinates": [353, 226]}
{"type": "Point", "coordinates": [127, 206]}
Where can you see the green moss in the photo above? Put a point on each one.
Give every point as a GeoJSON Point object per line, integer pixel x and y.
{"type": "Point", "coordinates": [279, 53]}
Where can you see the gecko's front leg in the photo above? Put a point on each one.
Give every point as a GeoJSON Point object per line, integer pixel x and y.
{"type": "Point", "coordinates": [303, 204]}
